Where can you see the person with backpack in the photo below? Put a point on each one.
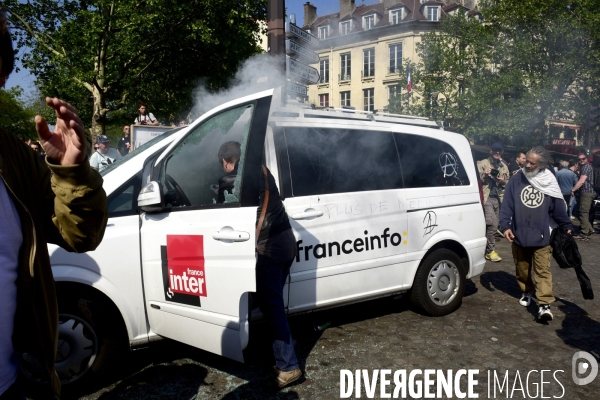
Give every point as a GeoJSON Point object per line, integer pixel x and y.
{"type": "Point", "coordinates": [587, 194]}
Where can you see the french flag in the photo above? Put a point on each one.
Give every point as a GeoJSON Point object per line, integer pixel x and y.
{"type": "Point", "coordinates": [408, 83]}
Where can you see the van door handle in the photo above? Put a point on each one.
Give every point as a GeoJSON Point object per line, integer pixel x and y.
{"type": "Point", "coordinates": [231, 236]}
{"type": "Point", "coordinates": [308, 214]}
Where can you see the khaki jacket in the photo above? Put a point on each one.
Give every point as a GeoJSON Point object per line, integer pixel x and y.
{"type": "Point", "coordinates": [68, 209]}
{"type": "Point", "coordinates": [487, 180]}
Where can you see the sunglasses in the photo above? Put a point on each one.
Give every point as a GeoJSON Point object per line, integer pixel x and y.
{"type": "Point", "coordinates": [582, 159]}
{"type": "Point", "coordinates": [95, 147]}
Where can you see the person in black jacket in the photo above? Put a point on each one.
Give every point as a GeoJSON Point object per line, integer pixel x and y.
{"type": "Point", "coordinates": [532, 203]}
{"type": "Point", "coordinates": [276, 248]}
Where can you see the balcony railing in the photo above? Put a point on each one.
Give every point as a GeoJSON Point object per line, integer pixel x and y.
{"type": "Point", "coordinates": [324, 79]}
{"type": "Point", "coordinates": [344, 77]}
{"type": "Point", "coordinates": [367, 73]}
{"type": "Point", "coordinates": [394, 70]}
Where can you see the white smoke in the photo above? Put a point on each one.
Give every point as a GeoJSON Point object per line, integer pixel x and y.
{"type": "Point", "coordinates": [256, 74]}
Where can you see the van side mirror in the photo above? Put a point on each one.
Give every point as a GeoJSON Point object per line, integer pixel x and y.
{"type": "Point", "coordinates": [150, 198]}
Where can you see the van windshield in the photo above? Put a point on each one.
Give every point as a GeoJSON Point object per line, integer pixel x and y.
{"type": "Point", "coordinates": [140, 149]}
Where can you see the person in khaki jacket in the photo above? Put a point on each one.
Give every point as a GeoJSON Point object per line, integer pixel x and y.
{"type": "Point", "coordinates": [494, 176]}
{"type": "Point", "coordinates": [59, 200]}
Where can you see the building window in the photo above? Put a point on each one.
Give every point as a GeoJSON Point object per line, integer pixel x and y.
{"type": "Point", "coordinates": [345, 67]}
{"type": "Point", "coordinates": [368, 62]}
{"type": "Point", "coordinates": [393, 91]}
{"type": "Point", "coordinates": [368, 99]}
{"type": "Point", "coordinates": [344, 28]}
{"type": "Point", "coordinates": [323, 32]}
{"type": "Point", "coordinates": [396, 16]}
{"type": "Point", "coordinates": [395, 58]}
{"type": "Point", "coordinates": [324, 100]}
{"type": "Point", "coordinates": [368, 22]}
{"type": "Point", "coordinates": [433, 13]}
{"type": "Point", "coordinates": [324, 70]}
{"type": "Point", "coordinates": [345, 99]}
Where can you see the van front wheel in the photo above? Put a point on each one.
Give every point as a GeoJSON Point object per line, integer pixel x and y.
{"type": "Point", "coordinates": [439, 283]}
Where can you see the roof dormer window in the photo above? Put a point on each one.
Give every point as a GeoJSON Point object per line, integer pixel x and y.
{"type": "Point", "coordinates": [396, 16]}
{"type": "Point", "coordinates": [344, 28]}
{"type": "Point", "coordinates": [433, 13]}
{"type": "Point", "coordinates": [323, 32]}
{"type": "Point", "coordinates": [369, 22]}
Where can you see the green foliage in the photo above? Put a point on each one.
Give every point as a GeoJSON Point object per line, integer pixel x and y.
{"type": "Point", "coordinates": [15, 117]}
{"type": "Point", "coordinates": [528, 61]}
{"type": "Point", "coordinates": [106, 55]}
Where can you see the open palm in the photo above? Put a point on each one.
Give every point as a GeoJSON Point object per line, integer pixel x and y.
{"type": "Point", "coordinates": [67, 144]}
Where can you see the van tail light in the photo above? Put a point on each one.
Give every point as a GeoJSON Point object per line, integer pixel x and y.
{"type": "Point", "coordinates": [480, 191]}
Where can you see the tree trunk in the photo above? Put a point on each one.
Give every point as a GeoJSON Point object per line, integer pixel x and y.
{"type": "Point", "coordinates": [99, 114]}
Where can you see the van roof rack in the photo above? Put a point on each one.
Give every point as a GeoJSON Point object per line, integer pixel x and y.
{"type": "Point", "coordinates": [309, 111]}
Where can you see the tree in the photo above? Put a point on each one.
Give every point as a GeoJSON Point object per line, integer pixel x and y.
{"type": "Point", "coordinates": [15, 117]}
{"type": "Point", "coordinates": [526, 62]}
{"type": "Point", "coordinates": [107, 55]}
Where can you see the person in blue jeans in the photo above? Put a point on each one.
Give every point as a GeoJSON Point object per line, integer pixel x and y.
{"type": "Point", "coordinates": [276, 248]}
{"type": "Point", "coordinates": [566, 180]}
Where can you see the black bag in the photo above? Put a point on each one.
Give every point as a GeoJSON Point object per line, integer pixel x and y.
{"type": "Point", "coordinates": [566, 253]}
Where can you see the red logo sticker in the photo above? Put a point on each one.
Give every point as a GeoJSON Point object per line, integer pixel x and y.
{"type": "Point", "coordinates": [185, 263]}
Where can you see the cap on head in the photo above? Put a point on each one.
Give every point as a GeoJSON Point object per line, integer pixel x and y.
{"type": "Point", "coordinates": [497, 146]}
{"type": "Point", "coordinates": [102, 139]}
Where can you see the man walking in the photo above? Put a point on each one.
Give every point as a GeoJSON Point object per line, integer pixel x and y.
{"type": "Point", "coordinates": [494, 175]}
{"type": "Point", "coordinates": [585, 188]}
{"type": "Point", "coordinates": [533, 199]}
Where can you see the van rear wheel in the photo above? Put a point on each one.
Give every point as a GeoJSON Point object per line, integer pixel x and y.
{"type": "Point", "coordinates": [439, 284]}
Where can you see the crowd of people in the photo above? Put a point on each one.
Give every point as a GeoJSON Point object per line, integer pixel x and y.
{"type": "Point", "coordinates": [524, 200]}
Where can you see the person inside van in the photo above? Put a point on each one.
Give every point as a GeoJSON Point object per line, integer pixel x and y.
{"type": "Point", "coordinates": [276, 248]}
{"type": "Point", "coordinates": [494, 175]}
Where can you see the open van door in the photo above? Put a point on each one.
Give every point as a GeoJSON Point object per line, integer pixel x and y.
{"type": "Point", "coordinates": [198, 253]}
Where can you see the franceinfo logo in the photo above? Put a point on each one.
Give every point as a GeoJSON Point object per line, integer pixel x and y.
{"type": "Point", "coordinates": [584, 367]}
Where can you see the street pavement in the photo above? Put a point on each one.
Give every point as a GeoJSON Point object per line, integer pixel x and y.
{"type": "Point", "coordinates": [490, 332]}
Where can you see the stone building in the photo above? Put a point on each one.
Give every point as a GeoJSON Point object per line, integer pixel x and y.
{"type": "Point", "coordinates": [363, 48]}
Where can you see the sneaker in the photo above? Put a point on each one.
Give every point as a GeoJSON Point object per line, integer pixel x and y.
{"type": "Point", "coordinates": [544, 313]}
{"type": "Point", "coordinates": [525, 300]}
{"type": "Point", "coordinates": [284, 378]}
{"type": "Point", "coordinates": [499, 232]}
{"type": "Point", "coordinates": [493, 257]}
{"type": "Point", "coordinates": [572, 218]}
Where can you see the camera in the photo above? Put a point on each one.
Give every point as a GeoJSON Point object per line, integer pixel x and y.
{"type": "Point", "coordinates": [494, 172]}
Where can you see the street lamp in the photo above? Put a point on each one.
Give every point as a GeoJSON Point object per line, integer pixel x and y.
{"type": "Point", "coordinates": [431, 94]}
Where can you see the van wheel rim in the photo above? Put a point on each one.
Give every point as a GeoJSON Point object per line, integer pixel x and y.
{"type": "Point", "coordinates": [443, 283]}
{"type": "Point", "coordinates": [77, 348]}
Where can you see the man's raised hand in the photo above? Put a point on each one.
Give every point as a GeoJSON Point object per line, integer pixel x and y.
{"type": "Point", "coordinates": [67, 144]}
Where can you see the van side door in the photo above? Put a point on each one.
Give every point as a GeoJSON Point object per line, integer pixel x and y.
{"type": "Point", "coordinates": [198, 253]}
{"type": "Point", "coordinates": [342, 185]}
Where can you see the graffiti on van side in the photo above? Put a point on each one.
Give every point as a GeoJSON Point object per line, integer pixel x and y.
{"type": "Point", "coordinates": [448, 164]}
{"type": "Point", "coordinates": [430, 221]}
{"type": "Point", "coordinates": [358, 245]}
{"type": "Point", "coordinates": [334, 209]}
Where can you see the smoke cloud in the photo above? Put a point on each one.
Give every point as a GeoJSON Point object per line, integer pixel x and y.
{"type": "Point", "coordinates": [256, 74]}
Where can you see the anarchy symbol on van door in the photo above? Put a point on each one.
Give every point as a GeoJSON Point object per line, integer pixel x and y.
{"type": "Point", "coordinates": [448, 164]}
{"type": "Point", "coordinates": [531, 197]}
{"type": "Point", "coordinates": [430, 222]}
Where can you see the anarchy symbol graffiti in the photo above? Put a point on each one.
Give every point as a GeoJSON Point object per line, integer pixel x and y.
{"type": "Point", "coordinates": [448, 164]}
{"type": "Point", "coordinates": [430, 222]}
{"type": "Point", "coordinates": [531, 197]}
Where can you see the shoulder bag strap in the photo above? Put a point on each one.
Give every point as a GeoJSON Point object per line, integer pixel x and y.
{"type": "Point", "coordinates": [265, 203]}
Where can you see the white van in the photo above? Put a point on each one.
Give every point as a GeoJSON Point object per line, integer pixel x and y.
{"type": "Point", "coordinates": [379, 206]}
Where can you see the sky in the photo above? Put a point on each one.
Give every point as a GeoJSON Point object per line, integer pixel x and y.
{"type": "Point", "coordinates": [24, 79]}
